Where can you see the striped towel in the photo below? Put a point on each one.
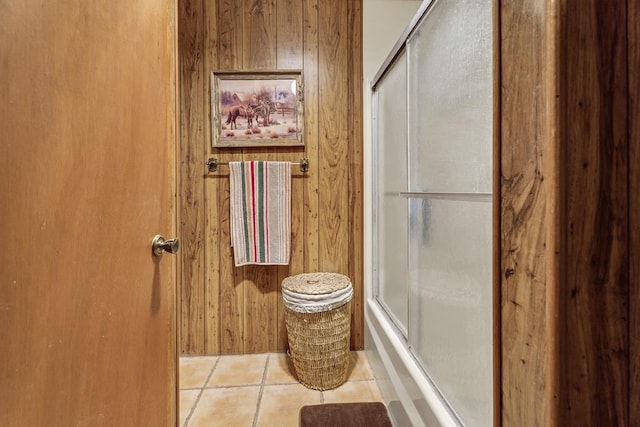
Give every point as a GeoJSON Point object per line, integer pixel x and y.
{"type": "Point", "coordinates": [260, 212]}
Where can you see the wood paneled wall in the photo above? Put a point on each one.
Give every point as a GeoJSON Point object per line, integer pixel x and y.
{"type": "Point", "coordinates": [225, 309]}
{"type": "Point", "coordinates": [597, 169]}
{"type": "Point", "coordinates": [633, 49]}
{"type": "Point", "coordinates": [569, 212]}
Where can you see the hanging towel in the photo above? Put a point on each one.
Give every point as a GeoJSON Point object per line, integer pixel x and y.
{"type": "Point", "coordinates": [260, 216]}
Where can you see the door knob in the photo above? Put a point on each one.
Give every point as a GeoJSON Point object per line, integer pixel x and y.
{"type": "Point", "coordinates": [159, 245]}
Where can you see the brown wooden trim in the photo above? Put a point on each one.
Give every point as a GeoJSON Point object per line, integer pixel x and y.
{"type": "Point", "coordinates": [355, 175]}
{"type": "Point", "coordinates": [497, 301]}
{"type": "Point", "coordinates": [633, 54]}
{"type": "Point", "coordinates": [555, 232]}
{"type": "Point", "coordinates": [528, 212]}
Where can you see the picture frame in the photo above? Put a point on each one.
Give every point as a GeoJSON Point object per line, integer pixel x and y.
{"type": "Point", "coordinates": [257, 108]}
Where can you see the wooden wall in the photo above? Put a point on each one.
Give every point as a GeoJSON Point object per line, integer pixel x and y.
{"type": "Point", "coordinates": [633, 49]}
{"type": "Point", "coordinates": [225, 309]}
{"type": "Point", "coordinates": [597, 234]}
{"type": "Point", "coordinates": [569, 159]}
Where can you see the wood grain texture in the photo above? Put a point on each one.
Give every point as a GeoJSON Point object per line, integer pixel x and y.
{"type": "Point", "coordinates": [260, 282]}
{"type": "Point", "coordinates": [496, 218]}
{"type": "Point", "coordinates": [290, 35]}
{"type": "Point", "coordinates": [597, 214]}
{"type": "Point", "coordinates": [355, 170]}
{"type": "Point", "coordinates": [229, 37]}
{"type": "Point", "coordinates": [333, 157]}
{"type": "Point", "coordinates": [88, 314]}
{"type": "Point", "coordinates": [311, 92]}
{"type": "Point", "coordinates": [213, 224]}
{"type": "Point", "coordinates": [529, 221]}
{"type": "Point", "coordinates": [192, 95]}
{"type": "Point", "coordinates": [568, 135]}
{"type": "Point", "coordinates": [230, 283]}
{"type": "Point", "coordinates": [260, 35]}
{"type": "Point", "coordinates": [242, 307]}
{"type": "Point", "coordinates": [633, 50]}
{"type": "Point", "coordinates": [597, 209]}
{"type": "Point", "coordinates": [289, 55]}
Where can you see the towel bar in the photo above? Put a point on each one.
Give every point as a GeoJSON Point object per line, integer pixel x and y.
{"type": "Point", "coordinates": [213, 164]}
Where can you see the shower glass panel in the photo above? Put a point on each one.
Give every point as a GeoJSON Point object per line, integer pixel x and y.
{"type": "Point", "coordinates": [450, 327]}
{"type": "Point", "coordinates": [450, 98]}
{"type": "Point", "coordinates": [450, 183]}
{"type": "Point", "coordinates": [433, 180]}
{"type": "Point", "coordinates": [391, 162]}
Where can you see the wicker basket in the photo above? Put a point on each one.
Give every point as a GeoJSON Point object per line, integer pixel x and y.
{"type": "Point", "coordinates": [319, 341]}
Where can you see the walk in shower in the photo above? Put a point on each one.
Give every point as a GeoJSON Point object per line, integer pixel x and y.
{"type": "Point", "coordinates": [430, 312]}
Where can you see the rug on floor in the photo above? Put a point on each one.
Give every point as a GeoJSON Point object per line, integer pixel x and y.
{"type": "Point", "coordinates": [370, 414]}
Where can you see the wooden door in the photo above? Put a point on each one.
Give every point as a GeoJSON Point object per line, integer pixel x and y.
{"type": "Point", "coordinates": [87, 137]}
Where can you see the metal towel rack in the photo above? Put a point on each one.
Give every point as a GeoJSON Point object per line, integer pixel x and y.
{"type": "Point", "coordinates": [213, 164]}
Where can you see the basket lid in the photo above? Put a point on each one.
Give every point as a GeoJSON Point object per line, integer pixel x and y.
{"type": "Point", "coordinates": [316, 283]}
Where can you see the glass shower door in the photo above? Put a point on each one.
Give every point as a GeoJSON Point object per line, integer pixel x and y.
{"type": "Point", "coordinates": [390, 246]}
{"type": "Point", "coordinates": [433, 180]}
{"type": "Point", "coordinates": [450, 210]}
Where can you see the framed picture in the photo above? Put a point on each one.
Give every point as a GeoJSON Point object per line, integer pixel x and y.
{"type": "Point", "coordinates": [257, 109]}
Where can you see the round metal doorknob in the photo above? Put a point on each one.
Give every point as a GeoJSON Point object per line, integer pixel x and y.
{"type": "Point", "coordinates": [159, 245]}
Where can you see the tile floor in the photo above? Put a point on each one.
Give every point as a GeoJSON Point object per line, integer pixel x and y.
{"type": "Point", "coordinates": [259, 390]}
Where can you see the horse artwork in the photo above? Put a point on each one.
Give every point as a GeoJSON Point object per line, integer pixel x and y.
{"type": "Point", "coordinates": [234, 112]}
{"type": "Point", "coordinates": [251, 109]}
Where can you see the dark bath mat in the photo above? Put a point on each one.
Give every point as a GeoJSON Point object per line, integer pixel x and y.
{"type": "Point", "coordinates": [369, 414]}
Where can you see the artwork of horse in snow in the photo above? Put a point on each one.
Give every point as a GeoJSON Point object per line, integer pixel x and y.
{"type": "Point", "coordinates": [234, 112]}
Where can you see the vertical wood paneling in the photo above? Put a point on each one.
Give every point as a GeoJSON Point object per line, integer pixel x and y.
{"type": "Point", "coordinates": [290, 34]}
{"type": "Point", "coordinates": [213, 232]}
{"type": "Point", "coordinates": [597, 268]}
{"type": "Point", "coordinates": [230, 22]}
{"type": "Point", "coordinates": [529, 220]}
{"type": "Point", "coordinates": [260, 35]}
{"type": "Point", "coordinates": [192, 95]}
{"type": "Point", "coordinates": [333, 197]}
{"type": "Point", "coordinates": [242, 307]}
{"type": "Point", "coordinates": [289, 55]}
{"type": "Point", "coordinates": [311, 90]}
{"type": "Point", "coordinates": [355, 177]}
{"type": "Point", "coordinates": [260, 282]}
{"type": "Point", "coordinates": [633, 49]}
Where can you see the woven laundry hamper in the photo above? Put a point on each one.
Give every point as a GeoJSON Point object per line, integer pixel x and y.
{"type": "Point", "coordinates": [318, 320]}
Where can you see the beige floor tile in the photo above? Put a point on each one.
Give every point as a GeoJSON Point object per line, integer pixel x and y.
{"type": "Point", "coordinates": [232, 393]}
{"type": "Point", "coordinates": [234, 370]}
{"type": "Point", "coordinates": [226, 407]}
{"type": "Point", "coordinates": [187, 400]}
{"type": "Point", "coordinates": [195, 370]}
{"type": "Point", "coordinates": [280, 404]}
{"type": "Point", "coordinates": [359, 369]}
{"type": "Point", "coordinates": [280, 370]}
{"type": "Point", "coordinates": [354, 391]}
